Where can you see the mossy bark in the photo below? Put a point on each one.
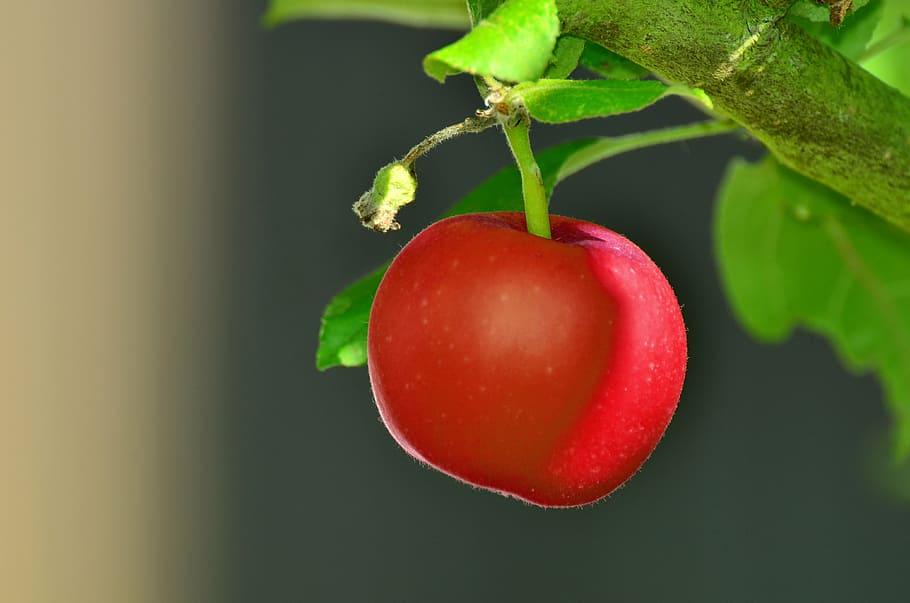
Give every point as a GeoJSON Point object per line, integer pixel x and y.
{"type": "Point", "coordinates": [818, 112]}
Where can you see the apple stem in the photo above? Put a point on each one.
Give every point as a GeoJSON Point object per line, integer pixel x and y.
{"type": "Point", "coordinates": [535, 194]}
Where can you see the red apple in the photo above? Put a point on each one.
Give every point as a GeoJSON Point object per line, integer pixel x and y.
{"type": "Point", "coordinates": [543, 369]}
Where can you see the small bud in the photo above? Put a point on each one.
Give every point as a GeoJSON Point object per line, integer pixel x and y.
{"type": "Point", "coordinates": [393, 188]}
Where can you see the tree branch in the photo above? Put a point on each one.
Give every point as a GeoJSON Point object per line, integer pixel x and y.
{"type": "Point", "coordinates": [819, 113]}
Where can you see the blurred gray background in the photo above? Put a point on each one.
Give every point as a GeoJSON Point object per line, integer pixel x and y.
{"type": "Point", "coordinates": [759, 492]}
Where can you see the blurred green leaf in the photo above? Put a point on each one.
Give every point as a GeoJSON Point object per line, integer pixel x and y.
{"type": "Point", "coordinates": [343, 335]}
{"type": "Point", "coordinates": [449, 14]}
{"type": "Point", "coordinates": [561, 101]}
{"type": "Point", "coordinates": [513, 44]}
{"type": "Point", "coordinates": [608, 64]}
{"type": "Point", "coordinates": [887, 475]}
{"type": "Point", "coordinates": [565, 57]}
{"type": "Point", "coordinates": [794, 253]}
{"type": "Point", "coordinates": [853, 35]}
{"type": "Point", "coordinates": [891, 45]}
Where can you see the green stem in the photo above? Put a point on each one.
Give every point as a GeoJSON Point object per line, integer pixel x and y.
{"type": "Point", "coordinates": [532, 188]}
{"type": "Point", "coordinates": [604, 148]}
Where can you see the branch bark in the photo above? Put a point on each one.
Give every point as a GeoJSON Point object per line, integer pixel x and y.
{"type": "Point", "coordinates": [818, 112]}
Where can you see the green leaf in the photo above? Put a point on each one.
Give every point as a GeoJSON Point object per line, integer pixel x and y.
{"type": "Point", "coordinates": [343, 336]}
{"type": "Point", "coordinates": [813, 11]}
{"type": "Point", "coordinates": [608, 64]}
{"type": "Point", "coordinates": [343, 333]}
{"type": "Point", "coordinates": [502, 191]}
{"type": "Point", "coordinates": [448, 14]}
{"type": "Point", "coordinates": [513, 44]}
{"type": "Point", "coordinates": [565, 57]}
{"type": "Point", "coordinates": [851, 38]}
{"type": "Point", "coordinates": [481, 9]}
{"type": "Point", "coordinates": [561, 101]}
{"type": "Point", "coordinates": [794, 253]}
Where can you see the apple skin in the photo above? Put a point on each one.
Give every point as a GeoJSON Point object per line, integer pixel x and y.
{"type": "Point", "coordinates": [547, 370]}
